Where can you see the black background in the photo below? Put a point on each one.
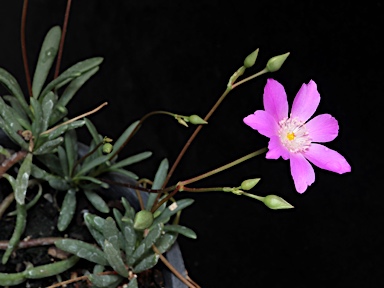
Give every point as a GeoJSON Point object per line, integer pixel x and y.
{"type": "Point", "coordinates": [178, 56]}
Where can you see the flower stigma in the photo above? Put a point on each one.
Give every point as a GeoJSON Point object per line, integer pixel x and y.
{"type": "Point", "coordinates": [294, 135]}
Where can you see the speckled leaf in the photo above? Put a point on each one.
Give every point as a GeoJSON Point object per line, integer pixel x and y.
{"type": "Point", "coordinates": [62, 129]}
{"type": "Point", "coordinates": [74, 71]}
{"type": "Point", "coordinates": [47, 106]}
{"type": "Point", "coordinates": [107, 281]}
{"type": "Point", "coordinates": [11, 84]}
{"type": "Point", "coordinates": [18, 112]}
{"type": "Point", "coordinates": [52, 269]}
{"type": "Point", "coordinates": [49, 146]}
{"type": "Point", "coordinates": [75, 85]}
{"type": "Point", "coordinates": [21, 183]}
{"type": "Point", "coordinates": [96, 234]}
{"type": "Point", "coordinates": [46, 57]}
{"type": "Point", "coordinates": [147, 263]}
{"type": "Point", "coordinates": [165, 242]}
{"type": "Point", "coordinates": [114, 259]}
{"type": "Point", "coordinates": [111, 232]}
{"type": "Point", "coordinates": [83, 250]}
{"type": "Point", "coordinates": [146, 244]}
{"type": "Point", "coordinates": [67, 210]}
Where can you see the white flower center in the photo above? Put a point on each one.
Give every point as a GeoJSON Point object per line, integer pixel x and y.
{"type": "Point", "coordinates": [294, 135]}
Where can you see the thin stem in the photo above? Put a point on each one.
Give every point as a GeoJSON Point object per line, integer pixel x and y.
{"type": "Point", "coordinates": [61, 45]}
{"type": "Point", "coordinates": [72, 280]}
{"type": "Point", "coordinates": [260, 198]}
{"type": "Point", "coordinates": [136, 187]}
{"type": "Point", "coordinates": [24, 48]}
{"type": "Point", "coordinates": [45, 241]}
{"type": "Point", "coordinates": [174, 271]}
{"type": "Point", "coordinates": [85, 157]}
{"type": "Point", "coordinates": [165, 199]}
{"type": "Point", "coordinates": [76, 118]}
{"type": "Point", "coordinates": [222, 168]}
{"type": "Point", "coordinates": [265, 70]}
{"type": "Point", "coordinates": [210, 189]}
{"type": "Point", "coordinates": [145, 117]}
{"type": "Point", "coordinates": [9, 162]}
{"type": "Point", "coordinates": [193, 136]}
{"type": "Point", "coordinates": [140, 199]}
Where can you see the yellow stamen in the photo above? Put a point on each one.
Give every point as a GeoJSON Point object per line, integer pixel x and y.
{"type": "Point", "coordinates": [291, 136]}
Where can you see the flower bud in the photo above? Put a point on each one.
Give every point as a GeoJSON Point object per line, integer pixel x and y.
{"type": "Point", "coordinates": [276, 62]}
{"type": "Point", "coordinates": [197, 120]}
{"type": "Point", "coordinates": [143, 220]}
{"type": "Point", "coordinates": [275, 202]}
{"type": "Point", "coordinates": [251, 59]}
{"type": "Point", "coordinates": [249, 183]}
{"type": "Point", "coordinates": [181, 121]}
{"type": "Point", "coordinates": [107, 140]}
{"type": "Point", "coordinates": [107, 148]}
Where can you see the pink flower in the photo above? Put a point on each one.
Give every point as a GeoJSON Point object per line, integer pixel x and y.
{"type": "Point", "coordinates": [293, 138]}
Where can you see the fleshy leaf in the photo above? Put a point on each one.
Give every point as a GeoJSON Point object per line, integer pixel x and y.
{"type": "Point", "coordinates": [114, 259]}
{"type": "Point", "coordinates": [67, 210]}
{"type": "Point", "coordinates": [74, 71]}
{"type": "Point", "coordinates": [160, 176]}
{"type": "Point", "coordinates": [11, 84]}
{"type": "Point", "coordinates": [147, 263]}
{"type": "Point", "coordinates": [21, 183]}
{"type": "Point", "coordinates": [96, 201]}
{"type": "Point", "coordinates": [172, 209]}
{"type": "Point", "coordinates": [107, 281]}
{"type": "Point", "coordinates": [181, 230]}
{"type": "Point", "coordinates": [83, 250]}
{"type": "Point", "coordinates": [46, 57]}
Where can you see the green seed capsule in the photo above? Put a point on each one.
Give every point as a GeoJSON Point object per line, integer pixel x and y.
{"type": "Point", "coordinates": [107, 148]}
{"type": "Point", "coordinates": [143, 220]}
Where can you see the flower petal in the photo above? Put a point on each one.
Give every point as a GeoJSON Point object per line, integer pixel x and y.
{"type": "Point", "coordinates": [276, 149]}
{"type": "Point", "coordinates": [327, 159]}
{"type": "Point", "coordinates": [263, 122]}
{"type": "Point", "coordinates": [302, 172]}
{"type": "Point", "coordinates": [305, 102]}
{"type": "Point", "coordinates": [322, 128]}
{"type": "Point", "coordinates": [275, 100]}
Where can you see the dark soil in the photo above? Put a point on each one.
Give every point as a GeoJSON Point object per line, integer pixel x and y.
{"type": "Point", "coordinates": [41, 222]}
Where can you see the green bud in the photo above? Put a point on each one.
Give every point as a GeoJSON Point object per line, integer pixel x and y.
{"type": "Point", "coordinates": [275, 202]}
{"type": "Point", "coordinates": [143, 220]}
{"type": "Point", "coordinates": [107, 140]}
{"type": "Point", "coordinates": [276, 62]}
{"type": "Point", "coordinates": [181, 121]}
{"type": "Point", "coordinates": [251, 59]}
{"type": "Point", "coordinates": [197, 120]}
{"type": "Point", "coordinates": [107, 148]}
{"type": "Point", "coordinates": [237, 191]}
{"type": "Point", "coordinates": [249, 184]}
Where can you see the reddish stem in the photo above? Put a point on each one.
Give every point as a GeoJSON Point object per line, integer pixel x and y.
{"type": "Point", "coordinates": [24, 48]}
{"type": "Point", "coordinates": [32, 242]}
{"type": "Point", "coordinates": [61, 45]}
